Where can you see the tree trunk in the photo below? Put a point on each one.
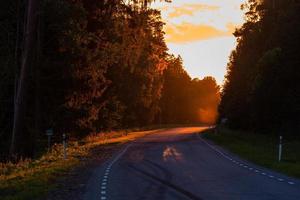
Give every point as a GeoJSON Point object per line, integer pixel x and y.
{"type": "Point", "coordinates": [37, 107]}
{"type": "Point", "coordinates": [27, 59]}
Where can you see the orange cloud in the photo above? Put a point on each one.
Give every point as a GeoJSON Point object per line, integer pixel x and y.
{"type": "Point", "coordinates": [190, 9]}
{"type": "Point", "coordinates": [187, 32]}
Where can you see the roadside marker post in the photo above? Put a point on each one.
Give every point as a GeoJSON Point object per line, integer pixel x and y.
{"type": "Point", "coordinates": [49, 133]}
{"type": "Point", "coordinates": [280, 149]}
{"type": "Point", "coordinates": [65, 146]}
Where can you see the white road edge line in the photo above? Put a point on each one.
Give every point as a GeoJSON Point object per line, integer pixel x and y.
{"type": "Point", "coordinates": [105, 177]}
{"type": "Point", "coordinates": [241, 164]}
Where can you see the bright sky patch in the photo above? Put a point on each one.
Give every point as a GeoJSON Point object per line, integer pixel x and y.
{"type": "Point", "coordinates": [201, 32]}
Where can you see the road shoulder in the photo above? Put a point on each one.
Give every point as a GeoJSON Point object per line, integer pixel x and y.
{"type": "Point", "coordinates": [238, 159]}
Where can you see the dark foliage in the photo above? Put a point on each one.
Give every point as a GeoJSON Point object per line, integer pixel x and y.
{"type": "Point", "coordinates": [95, 65]}
{"type": "Point", "coordinates": [262, 91]}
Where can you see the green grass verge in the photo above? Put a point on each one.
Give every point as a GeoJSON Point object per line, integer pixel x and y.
{"type": "Point", "coordinates": [32, 179]}
{"type": "Point", "coordinates": [33, 186]}
{"type": "Point", "coordinates": [260, 149]}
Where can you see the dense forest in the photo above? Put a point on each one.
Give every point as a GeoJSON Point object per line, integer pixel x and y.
{"type": "Point", "coordinates": [86, 66]}
{"type": "Point", "coordinates": [262, 89]}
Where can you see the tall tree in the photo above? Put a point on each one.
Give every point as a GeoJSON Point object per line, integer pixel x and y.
{"type": "Point", "coordinates": [27, 61]}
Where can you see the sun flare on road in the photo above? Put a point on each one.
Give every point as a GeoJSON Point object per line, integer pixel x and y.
{"type": "Point", "coordinates": [171, 154]}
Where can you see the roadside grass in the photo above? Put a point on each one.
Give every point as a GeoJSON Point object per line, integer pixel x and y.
{"type": "Point", "coordinates": [32, 179]}
{"type": "Point", "coordinates": [260, 149]}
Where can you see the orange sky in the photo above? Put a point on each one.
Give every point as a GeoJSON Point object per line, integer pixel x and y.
{"type": "Point", "coordinates": [201, 32]}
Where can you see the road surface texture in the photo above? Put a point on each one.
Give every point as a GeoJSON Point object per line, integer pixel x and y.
{"type": "Point", "coordinates": [179, 164]}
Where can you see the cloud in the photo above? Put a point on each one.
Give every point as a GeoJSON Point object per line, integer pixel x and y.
{"type": "Point", "coordinates": [188, 32]}
{"type": "Point", "coordinates": [190, 9]}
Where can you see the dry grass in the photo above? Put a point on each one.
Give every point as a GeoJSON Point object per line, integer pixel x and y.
{"type": "Point", "coordinates": [116, 137]}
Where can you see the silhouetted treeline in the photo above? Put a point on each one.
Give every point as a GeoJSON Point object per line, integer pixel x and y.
{"type": "Point", "coordinates": [186, 100]}
{"type": "Point", "coordinates": [262, 90]}
{"type": "Point", "coordinates": [84, 66]}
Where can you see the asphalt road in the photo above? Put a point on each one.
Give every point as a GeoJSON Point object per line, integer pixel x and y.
{"type": "Point", "coordinates": [178, 164]}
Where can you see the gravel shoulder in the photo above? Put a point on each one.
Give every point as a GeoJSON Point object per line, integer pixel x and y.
{"type": "Point", "coordinates": [72, 184]}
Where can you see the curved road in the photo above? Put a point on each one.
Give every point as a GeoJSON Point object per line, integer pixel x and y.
{"type": "Point", "coordinates": [178, 164]}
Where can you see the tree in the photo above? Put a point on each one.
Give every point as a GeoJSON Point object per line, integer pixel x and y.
{"type": "Point", "coordinates": [27, 61]}
{"type": "Point", "coordinates": [262, 83]}
{"type": "Point", "coordinates": [186, 100]}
